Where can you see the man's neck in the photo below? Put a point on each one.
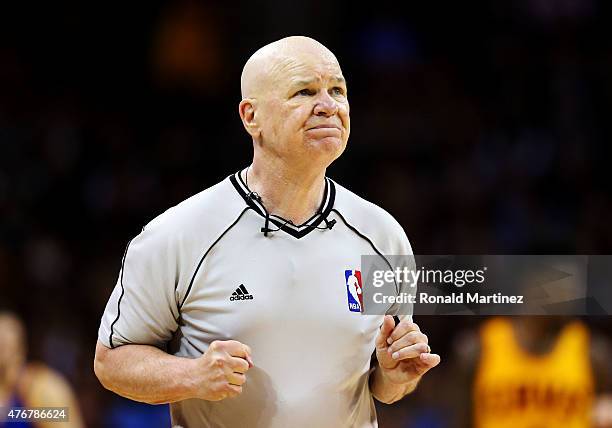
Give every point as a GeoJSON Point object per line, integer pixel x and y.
{"type": "Point", "coordinates": [292, 193]}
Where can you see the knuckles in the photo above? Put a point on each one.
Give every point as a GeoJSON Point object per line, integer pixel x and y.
{"type": "Point", "coordinates": [218, 362]}
{"type": "Point", "coordinates": [216, 345]}
{"type": "Point", "coordinates": [418, 337]}
{"type": "Point", "coordinates": [228, 346]}
{"type": "Point", "coordinates": [218, 365]}
{"type": "Point", "coordinates": [412, 337]}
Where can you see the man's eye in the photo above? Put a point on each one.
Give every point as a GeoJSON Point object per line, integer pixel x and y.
{"type": "Point", "coordinates": [305, 92]}
{"type": "Point", "coordinates": [337, 91]}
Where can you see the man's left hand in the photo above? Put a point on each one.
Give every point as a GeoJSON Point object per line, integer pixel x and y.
{"type": "Point", "coordinates": [403, 352]}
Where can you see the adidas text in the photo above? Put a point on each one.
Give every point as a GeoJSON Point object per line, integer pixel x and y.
{"type": "Point", "coordinates": [247, 297]}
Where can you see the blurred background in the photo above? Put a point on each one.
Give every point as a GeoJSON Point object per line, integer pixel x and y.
{"type": "Point", "coordinates": [484, 128]}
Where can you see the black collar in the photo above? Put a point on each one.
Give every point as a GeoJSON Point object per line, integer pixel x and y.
{"type": "Point", "coordinates": [297, 231]}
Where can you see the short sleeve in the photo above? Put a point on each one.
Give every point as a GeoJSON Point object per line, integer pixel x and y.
{"type": "Point", "coordinates": [142, 308]}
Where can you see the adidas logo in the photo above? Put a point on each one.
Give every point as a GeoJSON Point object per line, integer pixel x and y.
{"type": "Point", "coordinates": [241, 293]}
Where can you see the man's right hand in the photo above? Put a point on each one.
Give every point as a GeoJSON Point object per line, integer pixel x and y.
{"type": "Point", "coordinates": [220, 372]}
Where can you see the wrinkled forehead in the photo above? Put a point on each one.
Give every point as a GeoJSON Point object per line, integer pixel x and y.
{"type": "Point", "coordinates": [289, 69]}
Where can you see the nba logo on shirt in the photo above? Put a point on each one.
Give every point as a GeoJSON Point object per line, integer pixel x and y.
{"type": "Point", "coordinates": [353, 290]}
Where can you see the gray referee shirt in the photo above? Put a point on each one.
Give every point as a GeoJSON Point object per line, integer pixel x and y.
{"type": "Point", "coordinates": [217, 267]}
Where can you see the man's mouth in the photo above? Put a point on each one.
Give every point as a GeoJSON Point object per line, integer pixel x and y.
{"type": "Point", "coordinates": [326, 126]}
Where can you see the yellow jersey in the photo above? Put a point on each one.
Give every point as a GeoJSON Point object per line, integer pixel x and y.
{"type": "Point", "coordinates": [516, 389]}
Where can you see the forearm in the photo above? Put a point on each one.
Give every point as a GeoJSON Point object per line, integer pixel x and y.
{"type": "Point", "coordinates": [386, 391]}
{"type": "Point", "coordinates": [144, 373]}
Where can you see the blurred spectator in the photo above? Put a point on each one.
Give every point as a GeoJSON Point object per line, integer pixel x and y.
{"type": "Point", "coordinates": [534, 371]}
{"type": "Point", "coordinates": [30, 385]}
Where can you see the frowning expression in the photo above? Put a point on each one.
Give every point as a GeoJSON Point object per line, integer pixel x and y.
{"type": "Point", "coordinates": [305, 111]}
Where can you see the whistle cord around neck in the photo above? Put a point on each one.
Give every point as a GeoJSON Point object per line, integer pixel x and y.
{"type": "Point", "coordinates": [329, 224]}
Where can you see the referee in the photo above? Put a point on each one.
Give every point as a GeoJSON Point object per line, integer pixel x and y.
{"type": "Point", "coordinates": [241, 305]}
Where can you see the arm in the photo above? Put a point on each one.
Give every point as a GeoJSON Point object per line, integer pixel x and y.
{"type": "Point", "coordinates": [145, 373]}
{"type": "Point", "coordinates": [403, 358]}
{"type": "Point", "coordinates": [140, 318]}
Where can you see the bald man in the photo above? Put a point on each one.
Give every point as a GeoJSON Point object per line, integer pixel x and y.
{"type": "Point", "coordinates": [29, 385]}
{"type": "Point", "coordinates": [242, 305]}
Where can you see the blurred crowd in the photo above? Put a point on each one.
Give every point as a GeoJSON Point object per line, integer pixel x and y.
{"type": "Point", "coordinates": [481, 127]}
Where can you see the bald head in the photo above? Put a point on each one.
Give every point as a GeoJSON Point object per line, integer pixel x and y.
{"type": "Point", "coordinates": [278, 58]}
{"type": "Point", "coordinates": [294, 103]}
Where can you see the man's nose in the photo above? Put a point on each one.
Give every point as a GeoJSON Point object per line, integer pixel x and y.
{"type": "Point", "coordinates": [325, 106]}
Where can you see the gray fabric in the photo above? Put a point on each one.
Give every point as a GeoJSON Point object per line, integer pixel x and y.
{"type": "Point", "coordinates": [311, 354]}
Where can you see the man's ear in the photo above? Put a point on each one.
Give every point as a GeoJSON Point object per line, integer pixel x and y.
{"type": "Point", "coordinates": [246, 109]}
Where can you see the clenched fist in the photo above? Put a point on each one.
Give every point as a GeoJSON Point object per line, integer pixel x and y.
{"type": "Point", "coordinates": [220, 372]}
